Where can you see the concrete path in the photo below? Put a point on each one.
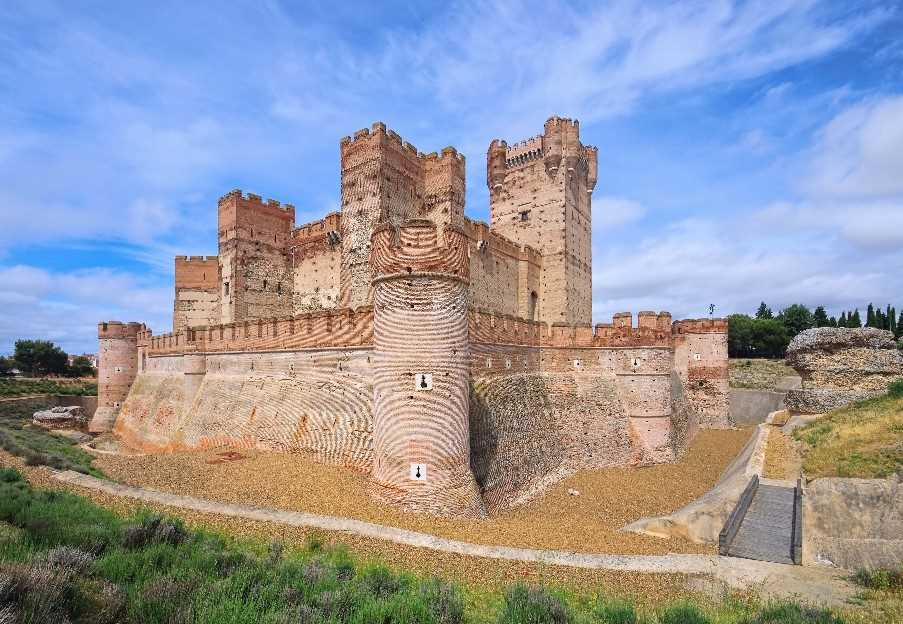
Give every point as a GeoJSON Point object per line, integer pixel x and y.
{"type": "Point", "coordinates": [816, 585]}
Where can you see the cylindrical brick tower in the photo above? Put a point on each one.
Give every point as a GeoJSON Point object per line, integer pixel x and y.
{"type": "Point", "coordinates": [421, 386]}
{"type": "Point", "coordinates": [117, 365]}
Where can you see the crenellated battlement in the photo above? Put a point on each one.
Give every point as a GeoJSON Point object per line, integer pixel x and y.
{"type": "Point", "coordinates": [494, 242]}
{"type": "Point", "coordinates": [317, 229]}
{"type": "Point", "coordinates": [118, 329]}
{"type": "Point", "coordinates": [418, 247]}
{"type": "Point", "coordinates": [196, 258]}
{"type": "Point", "coordinates": [700, 326]}
{"type": "Point", "coordinates": [341, 327]}
{"type": "Point", "coordinates": [254, 201]}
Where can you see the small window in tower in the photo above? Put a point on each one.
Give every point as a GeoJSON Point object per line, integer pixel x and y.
{"type": "Point", "coordinates": [226, 287]}
{"type": "Point", "coordinates": [524, 215]}
{"type": "Point", "coordinates": [279, 288]}
{"type": "Point", "coordinates": [264, 284]}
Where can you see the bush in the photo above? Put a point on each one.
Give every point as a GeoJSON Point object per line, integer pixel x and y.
{"type": "Point", "coordinates": [380, 582]}
{"type": "Point", "coordinates": [895, 389]}
{"type": "Point", "coordinates": [682, 613]}
{"type": "Point", "coordinates": [154, 530]}
{"type": "Point", "coordinates": [880, 579]}
{"type": "Point", "coordinates": [444, 601]}
{"type": "Point", "coordinates": [614, 612]}
{"type": "Point", "coordinates": [37, 592]}
{"type": "Point", "coordinates": [68, 558]}
{"type": "Point", "coordinates": [533, 605]}
{"type": "Point", "coordinates": [791, 613]}
{"type": "Point", "coordinates": [10, 475]}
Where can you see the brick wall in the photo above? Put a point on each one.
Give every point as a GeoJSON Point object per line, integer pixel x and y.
{"type": "Point", "coordinates": [197, 285]}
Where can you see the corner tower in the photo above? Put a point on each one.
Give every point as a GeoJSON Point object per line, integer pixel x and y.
{"type": "Point", "coordinates": [540, 194]}
{"type": "Point", "coordinates": [117, 366]}
{"type": "Point", "coordinates": [421, 384]}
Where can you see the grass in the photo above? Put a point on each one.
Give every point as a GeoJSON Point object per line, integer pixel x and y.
{"type": "Point", "coordinates": [757, 374]}
{"type": "Point", "coordinates": [65, 559]}
{"type": "Point", "coordinates": [37, 446]}
{"type": "Point", "coordinates": [12, 387]}
{"type": "Point", "coordinates": [862, 440]}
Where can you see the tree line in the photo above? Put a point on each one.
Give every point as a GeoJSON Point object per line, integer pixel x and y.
{"type": "Point", "coordinates": [40, 358]}
{"type": "Point", "coordinates": [767, 335]}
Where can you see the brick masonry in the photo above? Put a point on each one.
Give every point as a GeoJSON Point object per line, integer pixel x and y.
{"type": "Point", "coordinates": [317, 338]}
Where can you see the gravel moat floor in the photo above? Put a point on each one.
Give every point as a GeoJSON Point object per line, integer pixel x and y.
{"type": "Point", "coordinates": [609, 498]}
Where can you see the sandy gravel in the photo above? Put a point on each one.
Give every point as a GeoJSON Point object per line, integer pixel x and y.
{"type": "Point", "coordinates": [782, 459]}
{"type": "Point", "coordinates": [609, 498]}
{"type": "Point", "coordinates": [482, 576]}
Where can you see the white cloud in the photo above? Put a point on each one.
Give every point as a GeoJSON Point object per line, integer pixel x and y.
{"type": "Point", "coordinates": [611, 212]}
{"type": "Point", "coordinates": [61, 306]}
{"type": "Point", "coordinates": [860, 152]}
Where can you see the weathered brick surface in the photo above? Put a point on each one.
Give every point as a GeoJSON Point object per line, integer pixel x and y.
{"type": "Point", "coordinates": [197, 283]}
{"type": "Point", "coordinates": [117, 366]}
{"type": "Point", "coordinates": [310, 338]}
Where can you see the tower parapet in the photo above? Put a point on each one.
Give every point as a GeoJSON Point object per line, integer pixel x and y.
{"type": "Point", "coordinates": [117, 366]}
{"type": "Point", "coordinates": [421, 386]}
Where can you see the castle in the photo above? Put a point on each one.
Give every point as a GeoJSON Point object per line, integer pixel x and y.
{"type": "Point", "coordinates": [452, 361]}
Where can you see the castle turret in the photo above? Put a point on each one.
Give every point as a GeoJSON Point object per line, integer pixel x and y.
{"type": "Point", "coordinates": [551, 144]}
{"type": "Point", "coordinates": [421, 439]}
{"type": "Point", "coordinates": [495, 164]}
{"type": "Point", "coordinates": [117, 365]}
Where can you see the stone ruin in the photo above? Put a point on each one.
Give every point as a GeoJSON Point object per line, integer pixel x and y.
{"type": "Point", "coordinates": [68, 417]}
{"type": "Point", "coordinates": [839, 366]}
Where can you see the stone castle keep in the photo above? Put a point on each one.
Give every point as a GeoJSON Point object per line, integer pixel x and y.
{"type": "Point", "coordinates": [452, 361]}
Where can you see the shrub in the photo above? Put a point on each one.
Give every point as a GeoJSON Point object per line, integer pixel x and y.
{"type": "Point", "coordinates": [38, 592]}
{"type": "Point", "coordinates": [69, 558]}
{"type": "Point", "coordinates": [533, 605]}
{"type": "Point", "coordinates": [154, 530]}
{"type": "Point", "coordinates": [791, 613]}
{"type": "Point", "coordinates": [880, 579]}
{"type": "Point", "coordinates": [614, 612]}
{"type": "Point", "coordinates": [443, 600]}
{"type": "Point", "coordinates": [895, 389]}
{"type": "Point", "coordinates": [682, 613]}
{"type": "Point", "coordinates": [380, 582]}
{"type": "Point", "coordinates": [10, 475]}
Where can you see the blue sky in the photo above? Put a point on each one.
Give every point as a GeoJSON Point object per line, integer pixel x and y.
{"type": "Point", "coordinates": [747, 151]}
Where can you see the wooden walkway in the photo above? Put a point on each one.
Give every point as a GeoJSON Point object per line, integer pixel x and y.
{"type": "Point", "coordinates": [766, 530]}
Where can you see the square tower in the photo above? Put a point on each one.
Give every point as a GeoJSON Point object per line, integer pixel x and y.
{"type": "Point", "coordinates": [386, 180]}
{"type": "Point", "coordinates": [254, 263]}
{"type": "Point", "coordinates": [540, 194]}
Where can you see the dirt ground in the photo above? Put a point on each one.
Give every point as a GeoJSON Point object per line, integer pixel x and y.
{"type": "Point", "coordinates": [609, 498]}
{"type": "Point", "coordinates": [782, 458]}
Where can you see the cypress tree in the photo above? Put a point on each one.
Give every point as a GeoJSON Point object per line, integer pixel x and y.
{"type": "Point", "coordinates": [842, 322]}
{"type": "Point", "coordinates": [892, 320]}
{"type": "Point", "coordinates": [900, 324]}
{"type": "Point", "coordinates": [820, 317]}
{"type": "Point", "coordinates": [889, 318]}
{"type": "Point", "coordinates": [832, 321]}
{"type": "Point", "coordinates": [856, 320]}
{"type": "Point", "coordinates": [870, 320]}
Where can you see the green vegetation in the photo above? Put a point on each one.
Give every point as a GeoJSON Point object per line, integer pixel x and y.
{"type": "Point", "coordinates": [36, 445]}
{"type": "Point", "coordinates": [10, 387]}
{"type": "Point", "coordinates": [881, 579]}
{"type": "Point", "coordinates": [42, 357]}
{"type": "Point", "coordinates": [62, 558]}
{"type": "Point", "coordinates": [767, 334]}
{"type": "Point", "coordinates": [759, 374]}
{"type": "Point", "coordinates": [859, 440]}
